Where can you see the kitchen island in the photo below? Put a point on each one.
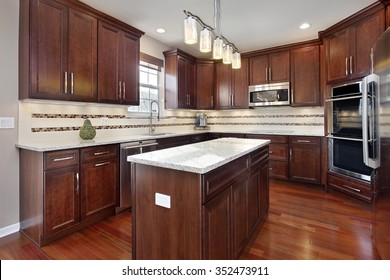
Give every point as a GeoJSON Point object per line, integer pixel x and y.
{"type": "Point", "coordinates": [199, 201]}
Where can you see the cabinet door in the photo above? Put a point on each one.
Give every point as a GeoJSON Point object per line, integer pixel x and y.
{"type": "Point", "coordinates": [217, 227]}
{"type": "Point", "coordinates": [279, 67]}
{"type": "Point", "coordinates": [61, 199]}
{"type": "Point", "coordinates": [223, 86]}
{"type": "Point", "coordinates": [364, 36]}
{"type": "Point", "coordinates": [82, 57]}
{"type": "Point", "coordinates": [130, 70]}
{"type": "Point", "coordinates": [240, 86]}
{"type": "Point", "coordinates": [254, 205]}
{"type": "Point", "coordinates": [49, 39]}
{"type": "Point", "coordinates": [305, 76]}
{"type": "Point", "coordinates": [182, 95]}
{"type": "Point", "coordinates": [240, 215]}
{"type": "Point", "coordinates": [109, 50]}
{"type": "Point", "coordinates": [258, 70]}
{"type": "Point", "coordinates": [264, 190]}
{"type": "Point", "coordinates": [190, 84]}
{"type": "Point", "coordinates": [205, 85]}
{"type": "Point", "coordinates": [99, 187]}
{"type": "Point", "coordinates": [305, 161]}
{"type": "Point", "coordinates": [338, 53]}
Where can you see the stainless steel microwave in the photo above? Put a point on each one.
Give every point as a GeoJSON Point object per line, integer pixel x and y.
{"type": "Point", "coordinates": [276, 94]}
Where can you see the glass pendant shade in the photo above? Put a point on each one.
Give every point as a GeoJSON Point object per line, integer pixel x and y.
{"type": "Point", "coordinates": [236, 63]}
{"type": "Point", "coordinates": [227, 54]}
{"type": "Point", "coordinates": [190, 31]}
{"type": "Point", "coordinates": [205, 41]}
{"type": "Point", "coordinates": [218, 48]}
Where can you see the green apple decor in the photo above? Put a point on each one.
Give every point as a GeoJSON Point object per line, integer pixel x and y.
{"type": "Point", "coordinates": [87, 131]}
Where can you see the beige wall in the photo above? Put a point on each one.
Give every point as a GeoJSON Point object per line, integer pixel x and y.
{"type": "Point", "coordinates": [9, 162]}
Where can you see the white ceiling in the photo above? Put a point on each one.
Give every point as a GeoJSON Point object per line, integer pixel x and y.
{"type": "Point", "coordinates": [249, 24]}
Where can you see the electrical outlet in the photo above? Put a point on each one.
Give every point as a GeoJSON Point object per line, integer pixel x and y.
{"type": "Point", "coordinates": [104, 121]}
{"type": "Point", "coordinates": [8, 122]}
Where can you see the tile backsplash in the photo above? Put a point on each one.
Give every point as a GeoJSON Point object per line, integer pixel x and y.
{"type": "Point", "coordinates": [45, 120]}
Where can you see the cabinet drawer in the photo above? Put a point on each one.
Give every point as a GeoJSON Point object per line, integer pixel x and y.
{"type": "Point", "coordinates": [278, 152]}
{"type": "Point", "coordinates": [278, 169]}
{"type": "Point", "coordinates": [219, 179]}
{"type": "Point", "coordinates": [258, 156]}
{"type": "Point", "coordinates": [350, 186]}
{"type": "Point", "coordinates": [60, 159]}
{"type": "Point", "coordinates": [99, 153]}
{"type": "Point", "coordinates": [304, 140]}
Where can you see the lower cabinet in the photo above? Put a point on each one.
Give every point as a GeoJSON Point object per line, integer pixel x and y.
{"type": "Point", "coordinates": [305, 159]}
{"type": "Point", "coordinates": [64, 191]}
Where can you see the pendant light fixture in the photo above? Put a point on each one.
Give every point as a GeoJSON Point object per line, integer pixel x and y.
{"type": "Point", "coordinates": [222, 48]}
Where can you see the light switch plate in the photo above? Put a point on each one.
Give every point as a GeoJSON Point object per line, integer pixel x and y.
{"type": "Point", "coordinates": [163, 200]}
{"type": "Point", "coordinates": [8, 122]}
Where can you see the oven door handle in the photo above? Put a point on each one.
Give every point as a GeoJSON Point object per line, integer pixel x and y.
{"type": "Point", "coordinates": [344, 138]}
{"type": "Point", "coordinates": [343, 98]}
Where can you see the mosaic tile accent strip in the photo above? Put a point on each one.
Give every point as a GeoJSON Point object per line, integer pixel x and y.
{"type": "Point", "coordinates": [265, 116]}
{"type": "Point", "coordinates": [84, 116]}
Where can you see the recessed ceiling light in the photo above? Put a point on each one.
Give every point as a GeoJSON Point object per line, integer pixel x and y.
{"type": "Point", "coordinates": [304, 25]}
{"type": "Point", "coordinates": [160, 30]}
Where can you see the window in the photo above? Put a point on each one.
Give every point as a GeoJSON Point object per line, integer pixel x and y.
{"type": "Point", "coordinates": [149, 87]}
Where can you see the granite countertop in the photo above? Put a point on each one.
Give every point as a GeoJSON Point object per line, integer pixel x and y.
{"type": "Point", "coordinates": [200, 157]}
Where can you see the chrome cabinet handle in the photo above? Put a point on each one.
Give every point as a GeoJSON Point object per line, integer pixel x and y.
{"type": "Point", "coordinates": [303, 141]}
{"type": "Point", "coordinates": [77, 183]}
{"type": "Point", "coordinates": [72, 83]}
{"type": "Point", "coordinates": [124, 90]}
{"type": "Point", "coordinates": [350, 188]}
{"type": "Point", "coordinates": [66, 82]}
{"type": "Point", "coordinates": [120, 90]}
{"type": "Point", "coordinates": [291, 155]}
{"type": "Point", "coordinates": [346, 66]}
{"type": "Point", "coordinates": [102, 164]}
{"type": "Point", "coordinates": [212, 101]}
{"type": "Point", "coordinates": [101, 153]}
{"type": "Point", "coordinates": [63, 158]}
{"type": "Point", "coordinates": [270, 74]}
{"type": "Point", "coordinates": [266, 74]}
{"type": "Point", "coordinates": [350, 65]}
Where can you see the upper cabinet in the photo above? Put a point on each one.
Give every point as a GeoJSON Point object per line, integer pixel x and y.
{"type": "Point", "coordinates": [269, 68]}
{"type": "Point", "coordinates": [347, 51]}
{"type": "Point", "coordinates": [180, 78]}
{"type": "Point", "coordinates": [305, 76]}
{"type": "Point", "coordinates": [58, 52]}
{"type": "Point", "coordinates": [61, 62]}
{"type": "Point", "coordinates": [231, 86]}
{"type": "Point", "coordinates": [118, 63]}
{"type": "Point", "coordinates": [205, 84]}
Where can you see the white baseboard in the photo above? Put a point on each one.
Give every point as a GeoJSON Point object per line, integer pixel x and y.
{"type": "Point", "coordinates": [9, 229]}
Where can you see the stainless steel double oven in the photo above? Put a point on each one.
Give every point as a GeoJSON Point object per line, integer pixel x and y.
{"type": "Point", "coordinates": [353, 137]}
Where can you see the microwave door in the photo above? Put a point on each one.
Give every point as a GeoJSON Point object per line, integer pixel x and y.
{"type": "Point", "coordinates": [370, 131]}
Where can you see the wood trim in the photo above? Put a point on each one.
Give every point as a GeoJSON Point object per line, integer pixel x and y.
{"type": "Point", "coordinates": [180, 53]}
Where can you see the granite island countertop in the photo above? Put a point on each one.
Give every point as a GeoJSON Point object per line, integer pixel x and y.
{"type": "Point", "coordinates": [200, 157]}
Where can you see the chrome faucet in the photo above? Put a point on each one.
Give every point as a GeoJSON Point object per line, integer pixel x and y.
{"type": "Point", "coordinates": [152, 128]}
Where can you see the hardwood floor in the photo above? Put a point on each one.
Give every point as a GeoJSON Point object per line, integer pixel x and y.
{"type": "Point", "coordinates": [304, 223]}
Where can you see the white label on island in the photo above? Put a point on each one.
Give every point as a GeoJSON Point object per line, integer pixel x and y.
{"type": "Point", "coordinates": [163, 200]}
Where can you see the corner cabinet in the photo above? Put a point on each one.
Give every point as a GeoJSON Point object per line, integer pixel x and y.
{"type": "Point", "coordinates": [58, 52]}
{"type": "Point", "coordinates": [64, 191]}
{"type": "Point", "coordinates": [180, 79]}
{"type": "Point", "coordinates": [347, 51]}
{"type": "Point", "coordinates": [231, 86]}
{"type": "Point", "coordinates": [269, 68]}
{"type": "Point", "coordinates": [305, 76]}
{"type": "Point", "coordinates": [118, 64]}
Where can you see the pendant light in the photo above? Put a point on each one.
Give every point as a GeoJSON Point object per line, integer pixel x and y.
{"type": "Point", "coordinates": [236, 63]}
{"type": "Point", "coordinates": [218, 48]}
{"type": "Point", "coordinates": [205, 40]}
{"type": "Point", "coordinates": [227, 54]}
{"type": "Point", "coordinates": [190, 31]}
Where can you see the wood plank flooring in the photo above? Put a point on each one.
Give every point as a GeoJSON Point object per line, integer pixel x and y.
{"type": "Point", "coordinates": [304, 223]}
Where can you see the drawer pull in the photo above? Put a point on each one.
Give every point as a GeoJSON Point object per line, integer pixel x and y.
{"type": "Point", "coordinates": [270, 169]}
{"type": "Point", "coordinates": [101, 153]}
{"type": "Point", "coordinates": [102, 164]}
{"type": "Point", "coordinates": [352, 189]}
{"type": "Point", "coordinates": [63, 158]}
{"type": "Point", "coordinates": [77, 183]}
{"type": "Point", "coordinates": [270, 152]}
{"type": "Point", "coordinates": [303, 141]}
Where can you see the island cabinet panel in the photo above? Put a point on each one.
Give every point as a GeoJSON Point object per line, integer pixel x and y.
{"type": "Point", "coordinates": [209, 216]}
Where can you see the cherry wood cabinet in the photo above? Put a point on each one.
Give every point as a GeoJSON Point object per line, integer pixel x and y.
{"type": "Point", "coordinates": [58, 52]}
{"type": "Point", "coordinates": [347, 51]}
{"type": "Point", "coordinates": [231, 86]}
{"type": "Point", "coordinates": [384, 174]}
{"type": "Point", "coordinates": [305, 159]}
{"type": "Point", "coordinates": [305, 76]}
{"type": "Point", "coordinates": [212, 215]}
{"type": "Point", "coordinates": [169, 142]}
{"type": "Point", "coordinates": [118, 61]}
{"type": "Point", "coordinates": [100, 180]}
{"type": "Point", "coordinates": [269, 68]}
{"type": "Point", "coordinates": [204, 85]}
{"type": "Point", "coordinates": [180, 80]}
{"type": "Point", "coordinates": [60, 195]}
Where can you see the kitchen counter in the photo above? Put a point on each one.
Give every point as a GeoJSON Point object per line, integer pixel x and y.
{"type": "Point", "coordinates": [63, 144]}
{"type": "Point", "coordinates": [200, 157]}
